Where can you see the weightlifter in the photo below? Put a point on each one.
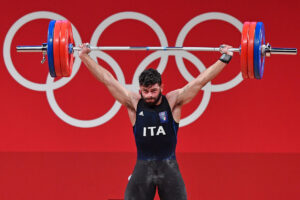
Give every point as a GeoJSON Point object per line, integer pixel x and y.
{"type": "Point", "coordinates": [155, 119]}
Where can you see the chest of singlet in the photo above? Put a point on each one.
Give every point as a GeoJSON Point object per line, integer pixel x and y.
{"type": "Point", "coordinates": [155, 131]}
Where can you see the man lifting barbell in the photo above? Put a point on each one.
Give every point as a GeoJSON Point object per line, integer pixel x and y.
{"type": "Point", "coordinates": [155, 119]}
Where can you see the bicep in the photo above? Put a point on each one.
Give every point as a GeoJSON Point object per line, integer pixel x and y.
{"type": "Point", "coordinates": [121, 94]}
{"type": "Point", "coordinates": [189, 91]}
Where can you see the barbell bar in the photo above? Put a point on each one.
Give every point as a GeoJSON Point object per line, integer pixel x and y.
{"type": "Point", "coordinates": [266, 49]}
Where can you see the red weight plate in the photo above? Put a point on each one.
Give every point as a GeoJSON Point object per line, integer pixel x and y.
{"type": "Point", "coordinates": [251, 49]}
{"type": "Point", "coordinates": [66, 57]}
{"type": "Point", "coordinates": [70, 41]}
{"type": "Point", "coordinates": [56, 48]}
{"type": "Point", "coordinates": [244, 50]}
{"type": "Point", "coordinates": [63, 47]}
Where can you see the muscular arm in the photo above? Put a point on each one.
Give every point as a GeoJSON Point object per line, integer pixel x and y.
{"type": "Point", "coordinates": [179, 97]}
{"type": "Point", "coordinates": [190, 90]}
{"type": "Point", "coordinates": [119, 92]}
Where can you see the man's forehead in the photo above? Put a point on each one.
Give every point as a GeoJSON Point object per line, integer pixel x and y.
{"type": "Point", "coordinates": [150, 86]}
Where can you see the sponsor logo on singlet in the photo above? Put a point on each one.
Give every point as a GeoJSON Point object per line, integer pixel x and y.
{"type": "Point", "coordinates": [141, 113]}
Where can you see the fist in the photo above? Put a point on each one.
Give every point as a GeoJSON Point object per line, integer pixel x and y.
{"type": "Point", "coordinates": [224, 49]}
{"type": "Point", "coordinates": [85, 49]}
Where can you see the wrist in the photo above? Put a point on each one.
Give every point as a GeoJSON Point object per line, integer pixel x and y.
{"type": "Point", "coordinates": [225, 58]}
{"type": "Point", "coordinates": [83, 56]}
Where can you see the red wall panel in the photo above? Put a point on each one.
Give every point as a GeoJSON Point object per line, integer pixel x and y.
{"type": "Point", "coordinates": [252, 116]}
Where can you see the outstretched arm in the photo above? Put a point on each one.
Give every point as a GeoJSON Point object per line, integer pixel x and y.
{"type": "Point", "coordinates": [189, 91]}
{"type": "Point", "coordinates": [119, 92]}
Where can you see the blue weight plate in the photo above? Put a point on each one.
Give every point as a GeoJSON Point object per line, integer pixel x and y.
{"type": "Point", "coordinates": [259, 60]}
{"type": "Point", "coordinates": [50, 48]}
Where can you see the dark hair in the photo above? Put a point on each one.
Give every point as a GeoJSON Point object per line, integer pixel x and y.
{"type": "Point", "coordinates": [150, 77]}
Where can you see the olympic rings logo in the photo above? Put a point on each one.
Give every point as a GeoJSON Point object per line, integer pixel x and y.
{"type": "Point", "coordinates": [50, 85]}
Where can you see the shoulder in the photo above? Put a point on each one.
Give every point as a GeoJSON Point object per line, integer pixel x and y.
{"type": "Point", "coordinates": [134, 99]}
{"type": "Point", "coordinates": [172, 98]}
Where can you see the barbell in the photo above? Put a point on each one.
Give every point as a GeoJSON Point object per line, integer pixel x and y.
{"type": "Point", "coordinates": [60, 48]}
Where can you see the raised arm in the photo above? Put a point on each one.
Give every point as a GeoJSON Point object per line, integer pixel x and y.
{"type": "Point", "coordinates": [190, 90]}
{"type": "Point", "coordinates": [119, 92]}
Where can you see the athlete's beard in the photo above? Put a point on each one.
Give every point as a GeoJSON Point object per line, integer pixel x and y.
{"type": "Point", "coordinates": [152, 103]}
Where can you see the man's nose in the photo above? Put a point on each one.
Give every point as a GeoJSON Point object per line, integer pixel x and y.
{"type": "Point", "coordinates": [150, 95]}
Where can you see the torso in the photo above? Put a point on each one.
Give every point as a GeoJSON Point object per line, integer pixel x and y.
{"type": "Point", "coordinates": [171, 98]}
{"type": "Point", "coordinates": [155, 130]}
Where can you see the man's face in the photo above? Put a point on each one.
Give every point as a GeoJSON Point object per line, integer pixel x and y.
{"type": "Point", "coordinates": [151, 93]}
